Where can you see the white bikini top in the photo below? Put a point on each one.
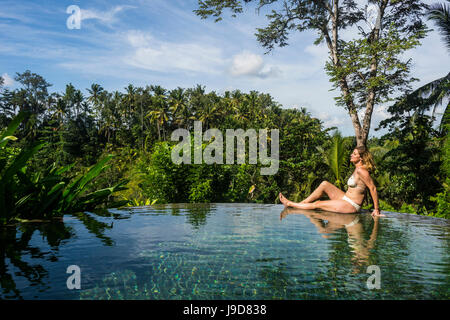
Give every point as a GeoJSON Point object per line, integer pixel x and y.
{"type": "Point", "coordinates": [352, 184]}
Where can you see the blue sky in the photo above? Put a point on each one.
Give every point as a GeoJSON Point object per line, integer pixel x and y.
{"type": "Point", "coordinates": [163, 42]}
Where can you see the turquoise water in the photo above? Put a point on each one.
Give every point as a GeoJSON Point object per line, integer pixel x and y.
{"type": "Point", "coordinates": [227, 251]}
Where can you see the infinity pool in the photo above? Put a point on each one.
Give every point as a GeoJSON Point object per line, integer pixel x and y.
{"type": "Point", "coordinates": [227, 251]}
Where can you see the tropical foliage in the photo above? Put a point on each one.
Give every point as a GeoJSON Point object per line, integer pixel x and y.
{"type": "Point", "coordinates": [108, 149]}
{"type": "Point", "coordinates": [48, 193]}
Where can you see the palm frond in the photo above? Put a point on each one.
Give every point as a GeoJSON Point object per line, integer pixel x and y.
{"type": "Point", "coordinates": [439, 13]}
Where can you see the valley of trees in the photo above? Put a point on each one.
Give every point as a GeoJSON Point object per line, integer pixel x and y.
{"type": "Point", "coordinates": [67, 151]}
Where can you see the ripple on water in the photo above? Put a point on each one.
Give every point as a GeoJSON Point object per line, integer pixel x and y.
{"type": "Point", "coordinates": [244, 251]}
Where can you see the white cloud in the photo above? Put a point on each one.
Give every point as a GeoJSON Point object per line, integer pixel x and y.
{"type": "Point", "coordinates": [250, 64]}
{"type": "Point", "coordinates": [7, 80]}
{"type": "Point", "coordinates": [334, 122]}
{"type": "Point", "coordinates": [246, 63]}
{"type": "Point", "coordinates": [319, 52]}
{"type": "Point", "coordinates": [139, 39]}
{"type": "Point", "coordinates": [380, 112]}
{"type": "Point", "coordinates": [104, 16]}
{"type": "Point", "coordinates": [331, 121]}
{"type": "Point", "coordinates": [154, 54]}
{"type": "Point", "coordinates": [323, 116]}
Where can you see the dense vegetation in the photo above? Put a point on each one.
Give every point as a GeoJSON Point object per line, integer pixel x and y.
{"type": "Point", "coordinates": [65, 152]}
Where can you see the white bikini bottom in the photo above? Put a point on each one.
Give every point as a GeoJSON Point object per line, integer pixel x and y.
{"type": "Point", "coordinates": [355, 221]}
{"type": "Point", "coordinates": [356, 206]}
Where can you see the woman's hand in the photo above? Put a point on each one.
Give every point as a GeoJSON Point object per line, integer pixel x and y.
{"type": "Point", "coordinates": [377, 213]}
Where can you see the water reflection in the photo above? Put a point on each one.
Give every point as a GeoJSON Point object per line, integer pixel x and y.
{"type": "Point", "coordinates": [227, 251]}
{"type": "Point", "coordinates": [328, 223]}
{"type": "Point", "coordinates": [15, 249]}
{"type": "Point", "coordinates": [196, 213]}
{"type": "Point", "coordinates": [14, 246]}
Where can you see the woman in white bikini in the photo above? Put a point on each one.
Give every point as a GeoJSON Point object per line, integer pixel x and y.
{"type": "Point", "coordinates": [330, 222]}
{"type": "Point", "coordinates": [340, 201]}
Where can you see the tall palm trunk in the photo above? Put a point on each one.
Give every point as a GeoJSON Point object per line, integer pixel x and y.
{"type": "Point", "coordinates": [159, 131]}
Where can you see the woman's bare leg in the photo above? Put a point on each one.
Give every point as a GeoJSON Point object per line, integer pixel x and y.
{"type": "Point", "coordinates": [339, 205]}
{"type": "Point", "coordinates": [329, 189]}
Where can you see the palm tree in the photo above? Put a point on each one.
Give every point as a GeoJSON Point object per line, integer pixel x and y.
{"type": "Point", "coordinates": [197, 100]}
{"type": "Point", "coordinates": [430, 95]}
{"type": "Point", "coordinates": [77, 101]}
{"type": "Point", "coordinates": [335, 157]}
{"type": "Point", "coordinates": [129, 106]}
{"type": "Point", "coordinates": [207, 109]}
{"type": "Point", "coordinates": [434, 93]}
{"type": "Point", "coordinates": [60, 109]}
{"type": "Point", "coordinates": [143, 98]}
{"type": "Point", "coordinates": [107, 114]}
{"type": "Point", "coordinates": [253, 104]}
{"type": "Point", "coordinates": [116, 112]}
{"type": "Point", "coordinates": [439, 13]}
{"type": "Point", "coordinates": [160, 117]}
{"type": "Point", "coordinates": [96, 94]}
{"type": "Point", "coordinates": [178, 105]}
{"type": "Point", "coordinates": [160, 114]}
{"type": "Point", "coordinates": [69, 97]}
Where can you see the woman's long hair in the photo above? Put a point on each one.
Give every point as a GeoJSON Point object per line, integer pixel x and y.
{"type": "Point", "coordinates": [367, 158]}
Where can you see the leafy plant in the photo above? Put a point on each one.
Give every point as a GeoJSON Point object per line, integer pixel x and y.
{"type": "Point", "coordinates": [38, 195]}
{"type": "Point", "coordinates": [140, 203]}
{"type": "Point", "coordinates": [442, 200]}
{"type": "Point", "coordinates": [335, 158]}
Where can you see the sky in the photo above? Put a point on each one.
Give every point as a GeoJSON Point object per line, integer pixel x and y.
{"type": "Point", "coordinates": [163, 42]}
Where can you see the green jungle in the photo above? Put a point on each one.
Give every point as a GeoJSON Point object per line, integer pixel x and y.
{"type": "Point", "coordinates": [65, 153]}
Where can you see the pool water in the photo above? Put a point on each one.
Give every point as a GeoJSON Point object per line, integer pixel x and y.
{"type": "Point", "coordinates": [228, 251]}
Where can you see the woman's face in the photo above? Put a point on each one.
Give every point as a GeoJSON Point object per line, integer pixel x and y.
{"type": "Point", "coordinates": [355, 157]}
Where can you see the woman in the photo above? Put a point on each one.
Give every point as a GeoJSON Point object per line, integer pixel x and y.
{"type": "Point", "coordinates": [350, 201]}
{"type": "Point", "coordinates": [330, 222]}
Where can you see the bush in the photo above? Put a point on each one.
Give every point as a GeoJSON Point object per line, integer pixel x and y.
{"type": "Point", "coordinates": [201, 192]}
{"type": "Point", "coordinates": [28, 194]}
{"type": "Point", "coordinates": [163, 179]}
{"type": "Point", "coordinates": [442, 200]}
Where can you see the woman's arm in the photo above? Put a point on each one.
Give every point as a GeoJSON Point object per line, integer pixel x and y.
{"type": "Point", "coordinates": [373, 236]}
{"type": "Point", "coordinates": [367, 179]}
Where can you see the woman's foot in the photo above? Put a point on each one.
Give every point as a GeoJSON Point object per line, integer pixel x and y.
{"type": "Point", "coordinates": [284, 213]}
{"type": "Point", "coordinates": [283, 200]}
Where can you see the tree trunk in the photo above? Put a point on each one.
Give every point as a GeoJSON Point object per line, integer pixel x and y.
{"type": "Point", "coordinates": [361, 133]}
{"type": "Point", "coordinates": [159, 131]}
{"type": "Point", "coordinates": [332, 44]}
{"type": "Point", "coordinates": [142, 126]}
